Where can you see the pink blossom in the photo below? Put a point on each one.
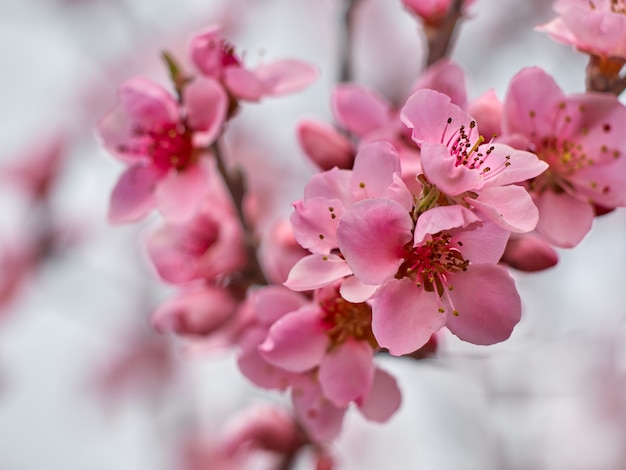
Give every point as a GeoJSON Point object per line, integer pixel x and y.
{"type": "Point", "coordinates": [579, 137]}
{"type": "Point", "coordinates": [210, 245]}
{"type": "Point", "coordinates": [163, 142]}
{"type": "Point", "coordinates": [468, 171]}
{"type": "Point", "coordinates": [442, 274]}
{"type": "Point", "coordinates": [279, 252]}
{"type": "Point", "coordinates": [324, 145]}
{"type": "Point", "coordinates": [214, 57]}
{"type": "Point", "coordinates": [596, 27]}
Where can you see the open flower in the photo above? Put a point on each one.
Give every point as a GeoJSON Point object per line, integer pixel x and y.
{"type": "Point", "coordinates": [214, 57]}
{"type": "Point", "coordinates": [465, 169]}
{"type": "Point", "coordinates": [580, 137]}
{"type": "Point", "coordinates": [162, 141]}
{"type": "Point", "coordinates": [439, 271]}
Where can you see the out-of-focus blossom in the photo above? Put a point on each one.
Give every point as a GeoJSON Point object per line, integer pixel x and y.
{"type": "Point", "coordinates": [214, 57]}
{"type": "Point", "coordinates": [593, 26]}
{"type": "Point", "coordinates": [163, 141]}
{"type": "Point", "coordinates": [279, 251]}
{"type": "Point", "coordinates": [580, 137]}
{"type": "Point", "coordinates": [324, 145]}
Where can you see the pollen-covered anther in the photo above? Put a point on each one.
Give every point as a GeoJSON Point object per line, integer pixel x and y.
{"type": "Point", "coordinates": [345, 320]}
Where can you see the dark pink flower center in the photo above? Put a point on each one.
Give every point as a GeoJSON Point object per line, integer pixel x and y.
{"type": "Point", "coordinates": [345, 319]}
{"type": "Point", "coordinates": [169, 146]}
{"type": "Point", "coordinates": [428, 263]}
{"type": "Point", "coordinates": [468, 149]}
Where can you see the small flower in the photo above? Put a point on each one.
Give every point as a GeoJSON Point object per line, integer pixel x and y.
{"type": "Point", "coordinates": [163, 141]}
{"type": "Point", "coordinates": [579, 136]}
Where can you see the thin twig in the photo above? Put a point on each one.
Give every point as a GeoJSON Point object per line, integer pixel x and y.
{"type": "Point", "coordinates": [440, 36]}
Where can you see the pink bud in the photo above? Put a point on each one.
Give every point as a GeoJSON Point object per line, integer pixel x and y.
{"type": "Point", "coordinates": [529, 253]}
{"type": "Point", "coordinates": [326, 147]}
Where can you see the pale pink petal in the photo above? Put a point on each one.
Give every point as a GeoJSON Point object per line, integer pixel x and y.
{"type": "Point", "coordinates": [324, 145]}
{"type": "Point", "coordinates": [255, 367]}
{"type": "Point", "coordinates": [433, 117]}
{"type": "Point", "coordinates": [383, 398]}
{"type": "Point", "coordinates": [273, 302]}
{"type": "Point", "coordinates": [179, 194]}
{"type": "Point", "coordinates": [315, 271]}
{"type": "Point", "coordinates": [519, 167]}
{"type": "Point", "coordinates": [194, 312]}
{"type": "Point", "coordinates": [321, 419]}
{"type": "Point", "coordinates": [404, 316]}
{"type": "Point", "coordinates": [399, 192]}
{"type": "Point", "coordinates": [442, 218]}
{"type": "Point", "coordinates": [353, 290]}
{"type": "Point", "coordinates": [563, 220]}
{"type": "Point", "coordinates": [133, 195]}
{"type": "Point", "coordinates": [243, 83]}
{"type": "Point", "coordinates": [511, 207]}
{"type": "Point", "coordinates": [440, 168]}
{"type": "Point", "coordinates": [116, 131]}
{"type": "Point", "coordinates": [297, 342]}
{"type": "Point", "coordinates": [346, 372]}
{"type": "Point", "coordinates": [206, 104]}
{"type": "Point", "coordinates": [371, 237]}
{"type": "Point", "coordinates": [558, 31]}
{"type": "Point", "coordinates": [531, 104]}
{"type": "Point", "coordinates": [148, 104]}
{"type": "Point", "coordinates": [315, 223]}
{"type": "Point", "coordinates": [359, 110]}
{"type": "Point", "coordinates": [487, 110]}
{"type": "Point", "coordinates": [445, 77]}
{"type": "Point", "coordinates": [374, 167]}
{"type": "Point", "coordinates": [285, 76]}
{"type": "Point", "coordinates": [331, 184]}
{"type": "Point", "coordinates": [487, 303]}
{"type": "Point", "coordinates": [483, 243]}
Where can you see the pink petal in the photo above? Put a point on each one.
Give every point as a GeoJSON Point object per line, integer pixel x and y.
{"type": "Point", "coordinates": [297, 342]}
{"type": "Point", "coordinates": [359, 110]}
{"type": "Point", "coordinates": [243, 83]}
{"type": "Point", "coordinates": [331, 184]}
{"type": "Point", "coordinates": [206, 104]}
{"type": "Point", "coordinates": [445, 77]}
{"type": "Point", "coordinates": [285, 76]}
{"type": "Point", "coordinates": [483, 243]}
{"type": "Point", "coordinates": [371, 237]}
{"type": "Point", "coordinates": [510, 207]}
{"type": "Point", "coordinates": [321, 419]}
{"type": "Point", "coordinates": [315, 223]}
{"type": "Point", "coordinates": [405, 316]}
{"type": "Point", "coordinates": [273, 302]}
{"type": "Point", "coordinates": [116, 131]}
{"type": "Point", "coordinates": [133, 195]}
{"type": "Point", "coordinates": [487, 110]}
{"type": "Point", "coordinates": [148, 104]}
{"type": "Point", "coordinates": [399, 192]}
{"type": "Point", "coordinates": [205, 50]}
{"type": "Point", "coordinates": [427, 112]}
{"type": "Point", "coordinates": [383, 398]}
{"type": "Point", "coordinates": [179, 194]}
{"type": "Point", "coordinates": [346, 372]}
{"type": "Point", "coordinates": [487, 302]}
{"type": "Point", "coordinates": [355, 291]}
{"type": "Point", "coordinates": [324, 145]}
{"type": "Point", "coordinates": [563, 220]}
{"type": "Point", "coordinates": [194, 312]}
{"type": "Point", "coordinates": [531, 104]}
{"type": "Point", "coordinates": [441, 169]}
{"type": "Point", "coordinates": [529, 253]}
{"type": "Point", "coordinates": [442, 218]}
{"type": "Point", "coordinates": [315, 271]}
{"type": "Point", "coordinates": [374, 168]}
{"type": "Point", "coordinates": [522, 165]}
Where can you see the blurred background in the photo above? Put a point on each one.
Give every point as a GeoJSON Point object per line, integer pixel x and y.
{"type": "Point", "coordinates": [85, 383]}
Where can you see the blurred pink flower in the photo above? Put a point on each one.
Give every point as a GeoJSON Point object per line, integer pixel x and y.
{"type": "Point", "coordinates": [163, 142]}
{"type": "Point", "coordinates": [431, 11]}
{"type": "Point", "coordinates": [580, 137]}
{"type": "Point", "coordinates": [216, 58]}
{"type": "Point", "coordinates": [593, 26]}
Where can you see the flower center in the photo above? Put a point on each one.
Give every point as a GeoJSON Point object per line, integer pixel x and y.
{"type": "Point", "coordinates": [428, 264]}
{"type": "Point", "coordinates": [346, 319]}
{"type": "Point", "coordinates": [169, 146]}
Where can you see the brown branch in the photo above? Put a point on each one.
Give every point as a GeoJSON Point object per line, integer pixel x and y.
{"type": "Point", "coordinates": [603, 75]}
{"type": "Point", "coordinates": [441, 34]}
